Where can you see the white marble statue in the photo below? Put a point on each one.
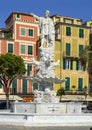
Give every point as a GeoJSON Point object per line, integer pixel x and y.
{"type": "Point", "coordinates": [46, 66]}
{"type": "Point", "coordinates": [47, 29]}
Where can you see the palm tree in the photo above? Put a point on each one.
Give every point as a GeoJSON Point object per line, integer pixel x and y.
{"type": "Point", "coordinates": [60, 92]}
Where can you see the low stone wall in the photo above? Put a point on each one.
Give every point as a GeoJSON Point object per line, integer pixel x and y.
{"type": "Point", "coordinates": [45, 119]}
{"type": "Point", "coordinates": [60, 120]}
{"type": "Point", "coordinates": [47, 108]}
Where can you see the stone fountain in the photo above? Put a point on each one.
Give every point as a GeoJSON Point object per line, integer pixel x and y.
{"type": "Point", "coordinates": [46, 101]}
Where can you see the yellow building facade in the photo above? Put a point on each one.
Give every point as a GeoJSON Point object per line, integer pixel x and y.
{"type": "Point", "coordinates": [70, 39]}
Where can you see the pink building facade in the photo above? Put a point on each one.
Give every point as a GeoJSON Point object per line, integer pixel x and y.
{"type": "Point", "coordinates": [20, 38]}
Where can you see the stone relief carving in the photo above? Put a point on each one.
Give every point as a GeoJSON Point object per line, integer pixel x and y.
{"type": "Point", "coordinates": [47, 96]}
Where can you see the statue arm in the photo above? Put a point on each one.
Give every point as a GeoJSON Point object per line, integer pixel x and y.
{"type": "Point", "coordinates": [35, 62]}
{"type": "Point", "coordinates": [35, 16]}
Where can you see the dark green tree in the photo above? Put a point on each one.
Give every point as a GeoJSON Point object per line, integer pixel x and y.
{"type": "Point", "coordinates": [85, 92]}
{"type": "Point", "coordinates": [11, 67]}
{"type": "Point", "coordinates": [86, 58]}
{"type": "Point", "coordinates": [60, 92]}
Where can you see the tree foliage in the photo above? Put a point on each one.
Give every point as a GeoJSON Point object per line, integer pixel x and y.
{"type": "Point", "coordinates": [86, 58]}
{"type": "Point", "coordinates": [11, 67]}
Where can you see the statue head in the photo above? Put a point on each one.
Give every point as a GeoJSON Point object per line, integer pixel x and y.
{"type": "Point", "coordinates": [47, 13]}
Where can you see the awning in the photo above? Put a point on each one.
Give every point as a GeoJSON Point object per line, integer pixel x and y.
{"type": "Point", "coordinates": [11, 97]}
{"type": "Point", "coordinates": [76, 98]}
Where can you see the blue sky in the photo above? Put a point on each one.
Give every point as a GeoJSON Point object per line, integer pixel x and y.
{"type": "Point", "coordinates": [73, 8]}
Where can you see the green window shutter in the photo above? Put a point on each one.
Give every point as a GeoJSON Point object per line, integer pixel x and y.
{"type": "Point", "coordinates": [76, 65]}
{"type": "Point", "coordinates": [67, 49]}
{"type": "Point", "coordinates": [0, 85]}
{"type": "Point", "coordinates": [23, 31]}
{"type": "Point", "coordinates": [68, 31]}
{"type": "Point", "coordinates": [14, 86]}
{"type": "Point", "coordinates": [30, 32]}
{"type": "Point", "coordinates": [35, 86]}
{"type": "Point", "coordinates": [10, 48]}
{"type": "Point", "coordinates": [71, 65]}
{"type": "Point", "coordinates": [23, 49]}
{"type": "Point", "coordinates": [80, 84]}
{"type": "Point", "coordinates": [67, 84]}
{"type": "Point", "coordinates": [81, 33]}
{"type": "Point", "coordinates": [18, 15]}
{"type": "Point", "coordinates": [24, 86]}
{"type": "Point", "coordinates": [80, 49]}
{"type": "Point", "coordinates": [29, 68]}
{"type": "Point", "coordinates": [30, 50]}
{"type": "Point", "coordinates": [63, 63]}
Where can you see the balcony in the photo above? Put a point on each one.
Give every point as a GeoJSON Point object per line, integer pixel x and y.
{"type": "Point", "coordinates": [72, 54]}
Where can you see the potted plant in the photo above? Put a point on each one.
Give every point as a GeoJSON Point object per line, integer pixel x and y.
{"type": "Point", "coordinates": [60, 92]}
{"type": "Point", "coordinates": [73, 88]}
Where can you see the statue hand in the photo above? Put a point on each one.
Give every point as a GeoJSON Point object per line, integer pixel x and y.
{"type": "Point", "coordinates": [32, 14]}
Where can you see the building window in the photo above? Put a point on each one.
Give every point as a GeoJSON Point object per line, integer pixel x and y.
{"type": "Point", "coordinates": [14, 86]}
{"type": "Point", "coordinates": [72, 21]}
{"type": "Point", "coordinates": [67, 84]}
{"type": "Point", "coordinates": [29, 68]}
{"type": "Point", "coordinates": [0, 46]}
{"type": "Point", "coordinates": [30, 32]}
{"type": "Point", "coordinates": [91, 28]}
{"type": "Point", "coordinates": [24, 86]}
{"type": "Point", "coordinates": [68, 49]}
{"type": "Point", "coordinates": [22, 31]}
{"type": "Point", "coordinates": [81, 33]}
{"type": "Point", "coordinates": [57, 31]}
{"type": "Point", "coordinates": [67, 64]}
{"type": "Point", "coordinates": [30, 50]}
{"type": "Point", "coordinates": [80, 84]}
{"type": "Point", "coordinates": [26, 49]}
{"type": "Point", "coordinates": [35, 86]}
{"type": "Point", "coordinates": [23, 49]}
{"type": "Point", "coordinates": [78, 65]}
{"type": "Point", "coordinates": [68, 31]}
{"type": "Point", "coordinates": [10, 47]}
{"type": "Point", "coordinates": [17, 15]}
{"type": "Point", "coordinates": [64, 20]}
{"type": "Point", "coordinates": [80, 49]}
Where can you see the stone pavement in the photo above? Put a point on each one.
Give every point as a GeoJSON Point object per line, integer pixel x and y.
{"type": "Point", "coordinates": [44, 120]}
